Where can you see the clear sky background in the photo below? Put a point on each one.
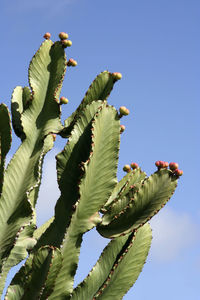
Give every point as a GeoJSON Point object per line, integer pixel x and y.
{"type": "Point", "coordinates": [155, 45]}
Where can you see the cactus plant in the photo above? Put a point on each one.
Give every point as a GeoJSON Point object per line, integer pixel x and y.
{"type": "Point", "coordinates": [90, 194]}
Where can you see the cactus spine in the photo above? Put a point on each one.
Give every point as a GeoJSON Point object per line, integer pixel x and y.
{"type": "Point", "coordinates": [86, 175]}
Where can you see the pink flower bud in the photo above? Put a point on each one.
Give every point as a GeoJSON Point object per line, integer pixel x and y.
{"type": "Point", "coordinates": [173, 166]}
{"type": "Point", "coordinates": [47, 35]}
{"type": "Point", "coordinates": [134, 166]}
{"type": "Point", "coordinates": [178, 172]}
{"type": "Point", "coordinates": [122, 128]}
{"type": "Point", "coordinates": [63, 35]}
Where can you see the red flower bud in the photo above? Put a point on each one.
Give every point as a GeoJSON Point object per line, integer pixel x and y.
{"type": "Point", "coordinates": [173, 166]}
{"type": "Point", "coordinates": [122, 128]}
{"type": "Point", "coordinates": [47, 35]}
{"type": "Point", "coordinates": [134, 166]}
{"type": "Point", "coordinates": [178, 172]}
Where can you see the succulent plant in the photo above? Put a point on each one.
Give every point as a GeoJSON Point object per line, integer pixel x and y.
{"type": "Point", "coordinates": [90, 193]}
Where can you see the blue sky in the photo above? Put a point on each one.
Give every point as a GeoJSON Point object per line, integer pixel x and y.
{"type": "Point", "coordinates": [155, 45]}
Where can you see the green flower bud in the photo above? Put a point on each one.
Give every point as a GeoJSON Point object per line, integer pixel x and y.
{"type": "Point", "coordinates": [123, 111]}
{"type": "Point", "coordinates": [117, 75]}
{"type": "Point", "coordinates": [63, 100]}
{"type": "Point", "coordinates": [127, 168]}
{"type": "Point", "coordinates": [66, 43]}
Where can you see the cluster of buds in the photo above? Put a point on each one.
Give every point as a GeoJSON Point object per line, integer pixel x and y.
{"type": "Point", "coordinates": [63, 100]}
{"type": "Point", "coordinates": [123, 111]}
{"type": "Point", "coordinates": [172, 166]}
{"type": "Point", "coordinates": [64, 39]}
{"type": "Point", "coordinates": [127, 168]}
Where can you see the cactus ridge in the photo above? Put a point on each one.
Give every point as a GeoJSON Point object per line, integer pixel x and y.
{"type": "Point", "coordinates": [123, 187]}
{"type": "Point", "coordinates": [100, 169]}
{"type": "Point", "coordinates": [100, 89]}
{"type": "Point", "coordinates": [119, 256]}
{"type": "Point", "coordinates": [69, 173]}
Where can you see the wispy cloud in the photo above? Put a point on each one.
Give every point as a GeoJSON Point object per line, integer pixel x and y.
{"type": "Point", "coordinates": [173, 233]}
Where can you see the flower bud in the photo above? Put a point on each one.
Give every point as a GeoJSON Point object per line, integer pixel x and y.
{"type": "Point", "coordinates": [134, 166]}
{"type": "Point", "coordinates": [178, 172]}
{"type": "Point", "coordinates": [127, 168]}
{"type": "Point", "coordinates": [72, 63]}
{"type": "Point", "coordinates": [66, 43]}
{"type": "Point", "coordinates": [63, 100]}
{"type": "Point", "coordinates": [123, 111]}
{"type": "Point", "coordinates": [47, 35]}
{"type": "Point", "coordinates": [173, 166]}
{"type": "Point", "coordinates": [53, 136]}
{"type": "Point", "coordinates": [122, 128]}
{"type": "Point", "coordinates": [63, 35]}
{"type": "Point", "coordinates": [117, 75]}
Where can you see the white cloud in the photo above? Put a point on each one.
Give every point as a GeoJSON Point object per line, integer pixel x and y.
{"type": "Point", "coordinates": [49, 192]}
{"type": "Point", "coordinates": [173, 233]}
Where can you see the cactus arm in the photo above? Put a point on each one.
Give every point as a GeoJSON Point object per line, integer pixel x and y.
{"type": "Point", "coordinates": [124, 185]}
{"type": "Point", "coordinates": [5, 139]}
{"type": "Point", "coordinates": [69, 172]}
{"type": "Point", "coordinates": [21, 97]}
{"type": "Point", "coordinates": [40, 118]}
{"type": "Point", "coordinates": [144, 203]}
{"type": "Point", "coordinates": [100, 89]}
{"type": "Point", "coordinates": [117, 268]}
{"type": "Point", "coordinates": [40, 271]}
{"type": "Point", "coordinates": [95, 188]}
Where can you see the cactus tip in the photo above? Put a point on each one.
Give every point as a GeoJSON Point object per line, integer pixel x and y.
{"type": "Point", "coordinates": [63, 35]}
{"type": "Point", "coordinates": [72, 63]}
{"type": "Point", "coordinates": [127, 168]}
{"type": "Point", "coordinates": [63, 100]}
{"type": "Point", "coordinates": [47, 35]}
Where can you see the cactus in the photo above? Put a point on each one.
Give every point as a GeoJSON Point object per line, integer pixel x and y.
{"type": "Point", "coordinates": [90, 194]}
